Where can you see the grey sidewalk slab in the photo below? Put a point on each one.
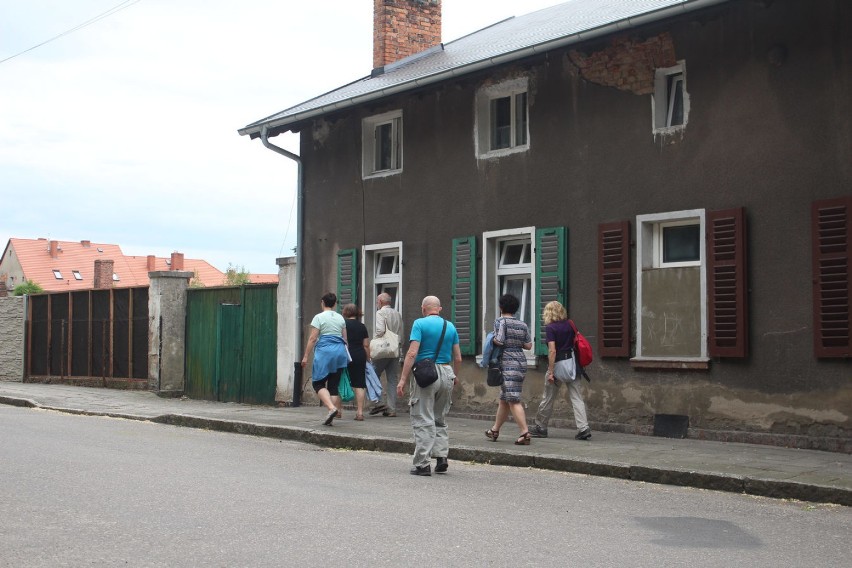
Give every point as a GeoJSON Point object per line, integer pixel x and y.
{"type": "Point", "coordinates": [748, 468]}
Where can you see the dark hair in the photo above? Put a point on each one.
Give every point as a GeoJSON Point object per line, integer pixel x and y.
{"type": "Point", "coordinates": [509, 304]}
{"type": "Point", "coordinates": [329, 300]}
{"type": "Point", "coordinates": [352, 311]}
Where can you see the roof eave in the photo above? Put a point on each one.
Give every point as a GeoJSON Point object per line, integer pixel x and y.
{"type": "Point", "coordinates": [283, 124]}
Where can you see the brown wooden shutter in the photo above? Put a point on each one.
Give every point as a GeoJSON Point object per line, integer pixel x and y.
{"type": "Point", "coordinates": [614, 289]}
{"type": "Point", "coordinates": [727, 287]}
{"type": "Point", "coordinates": [831, 226]}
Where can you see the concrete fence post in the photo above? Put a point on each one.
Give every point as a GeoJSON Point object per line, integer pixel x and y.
{"type": "Point", "coordinates": [167, 331]}
{"type": "Point", "coordinates": [287, 355]}
{"type": "Point", "coordinates": [13, 314]}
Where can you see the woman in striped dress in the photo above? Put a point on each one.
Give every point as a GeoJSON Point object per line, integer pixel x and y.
{"type": "Point", "coordinates": [513, 336]}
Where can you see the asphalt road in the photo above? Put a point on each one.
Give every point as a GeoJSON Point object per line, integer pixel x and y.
{"type": "Point", "coordinates": [86, 491]}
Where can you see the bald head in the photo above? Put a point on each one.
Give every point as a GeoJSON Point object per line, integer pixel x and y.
{"type": "Point", "coordinates": [430, 305]}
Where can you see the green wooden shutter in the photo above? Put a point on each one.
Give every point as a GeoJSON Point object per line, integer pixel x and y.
{"type": "Point", "coordinates": [347, 278]}
{"type": "Point", "coordinates": [551, 258]}
{"type": "Point", "coordinates": [464, 293]}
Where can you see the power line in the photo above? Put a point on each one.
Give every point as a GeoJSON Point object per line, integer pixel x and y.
{"type": "Point", "coordinates": [110, 12]}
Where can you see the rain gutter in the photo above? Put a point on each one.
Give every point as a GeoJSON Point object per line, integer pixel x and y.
{"type": "Point", "coordinates": [618, 26]}
{"type": "Point", "coordinates": [297, 369]}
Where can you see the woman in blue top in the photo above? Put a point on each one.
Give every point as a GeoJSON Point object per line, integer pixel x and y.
{"type": "Point", "coordinates": [513, 336]}
{"type": "Point", "coordinates": [328, 335]}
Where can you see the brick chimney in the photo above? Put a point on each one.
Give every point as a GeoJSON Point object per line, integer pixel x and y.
{"type": "Point", "coordinates": [103, 274]}
{"type": "Point", "coordinates": [404, 27]}
{"type": "Point", "coordinates": [53, 246]}
{"type": "Point", "coordinates": [152, 263]}
{"type": "Point", "coordinates": [177, 261]}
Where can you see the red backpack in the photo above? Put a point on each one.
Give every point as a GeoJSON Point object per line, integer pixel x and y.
{"type": "Point", "coordinates": [581, 347]}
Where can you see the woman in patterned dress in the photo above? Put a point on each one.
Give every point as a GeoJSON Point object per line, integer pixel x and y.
{"type": "Point", "coordinates": [513, 336]}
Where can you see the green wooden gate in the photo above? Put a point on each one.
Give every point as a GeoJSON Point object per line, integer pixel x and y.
{"type": "Point", "coordinates": [231, 343]}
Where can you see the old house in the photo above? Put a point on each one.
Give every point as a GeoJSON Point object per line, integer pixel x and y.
{"type": "Point", "coordinates": [677, 172]}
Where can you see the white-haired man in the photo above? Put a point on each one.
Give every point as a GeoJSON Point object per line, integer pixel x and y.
{"type": "Point", "coordinates": [387, 319]}
{"type": "Point", "coordinates": [429, 405]}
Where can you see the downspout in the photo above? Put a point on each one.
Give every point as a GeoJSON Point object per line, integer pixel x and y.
{"type": "Point", "coordinates": [297, 366]}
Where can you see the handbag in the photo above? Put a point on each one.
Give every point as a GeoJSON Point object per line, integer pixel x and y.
{"type": "Point", "coordinates": [425, 371]}
{"type": "Point", "coordinates": [494, 378]}
{"type": "Point", "coordinates": [344, 388]}
{"type": "Point", "coordinates": [495, 375]}
{"type": "Point", "coordinates": [566, 369]}
{"type": "Point", "coordinates": [582, 347]}
{"type": "Point", "coordinates": [385, 347]}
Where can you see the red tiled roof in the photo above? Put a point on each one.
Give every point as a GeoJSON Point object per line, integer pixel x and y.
{"type": "Point", "coordinates": [263, 278]}
{"type": "Point", "coordinates": [38, 265]}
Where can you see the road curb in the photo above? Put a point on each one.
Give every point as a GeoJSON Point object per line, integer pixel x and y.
{"type": "Point", "coordinates": [777, 489]}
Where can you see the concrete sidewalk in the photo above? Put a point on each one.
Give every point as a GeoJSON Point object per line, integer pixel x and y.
{"type": "Point", "coordinates": [741, 468]}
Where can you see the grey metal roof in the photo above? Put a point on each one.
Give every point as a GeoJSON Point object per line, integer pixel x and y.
{"type": "Point", "coordinates": [509, 40]}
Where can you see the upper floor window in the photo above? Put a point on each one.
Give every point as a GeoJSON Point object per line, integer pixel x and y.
{"type": "Point", "coordinates": [678, 243]}
{"type": "Point", "coordinates": [77, 275]}
{"type": "Point", "coordinates": [671, 100]}
{"type": "Point", "coordinates": [502, 123]}
{"type": "Point", "coordinates": [382, 144]}
{"type": "Point", "coordinates": [57, 274]}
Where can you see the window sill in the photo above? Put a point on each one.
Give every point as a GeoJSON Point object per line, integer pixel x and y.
{"type": "Point", "coordinates": [383, 173]}
{"type": "Point", "coordinates": [503, 152]}
{"type": "Point", "coordinates": [671, 363]}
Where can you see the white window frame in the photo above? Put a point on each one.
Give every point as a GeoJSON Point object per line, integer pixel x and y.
{"type": "Point", "coordinates": [491, 273]}
{"type": "Point", "coordinates": [483, 126]}
{"type": "Point", "coordinates": [649, 248]}
{"type": "Point", "coordinates": [659, 243]}
{"type": "Point", "coordinates": [661, 106]}
{"type": "Point", "coordinates": [369, 144]}
{"type": "Point", "coordinates": [371, 254]}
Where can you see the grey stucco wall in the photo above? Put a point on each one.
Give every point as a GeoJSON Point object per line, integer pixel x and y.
{"type": "Point", "coordinates": [12, 330]}
{"type": "Point", "coordinates": [167, 330]}
{"type": "Point", "coordinates": [769, 138]}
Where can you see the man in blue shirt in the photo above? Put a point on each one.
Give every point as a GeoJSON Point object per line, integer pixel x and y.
{"type": "Point", "coordinates": [429, 405]}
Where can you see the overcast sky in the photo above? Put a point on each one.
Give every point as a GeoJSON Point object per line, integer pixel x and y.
{"type": "Point", "coordinates": [125, 131]}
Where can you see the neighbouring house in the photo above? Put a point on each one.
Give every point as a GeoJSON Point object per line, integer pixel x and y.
{"type": "Point", "coordinates": [61, 266]}
{"type": "Point", "coordinates": [677, 172]}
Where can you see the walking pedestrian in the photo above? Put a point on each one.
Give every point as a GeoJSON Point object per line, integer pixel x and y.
{"type": "Point", "coordinates": [358, 343]}
{"type": "Point", "coordinates": [513, 336]}
{"type": "Point", "coordinates": [328, 344]}
{"type": "Point", "coordinates": [434, 338]}
{"type": "Point", "coordinates": [559, 332]}
{"type": "Point", "coordinates": [387, 319]}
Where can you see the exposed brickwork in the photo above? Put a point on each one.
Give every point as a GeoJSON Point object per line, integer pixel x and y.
{"type": "Point", "coordinates": [627, 64]}
{"type": "Point", "coordinates": [404, 27]}
{"type": "Point", "coordinates": [103, 274]}
{"type": "Point", "coordinates": [177, 261]}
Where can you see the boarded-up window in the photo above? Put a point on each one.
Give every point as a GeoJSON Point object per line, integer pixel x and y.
{"type": "Point", "coordinates": [727, 288]}
{"type": "Point", "coordinates": [831, 222]}
{"type": "Point", "coordinates": [551, 254]}
{"type": "Point", "coordinates": [347, 278]}
{"type": "Point", "coordinates": [464, 293]}
{"type": "Point", "coordinates": [614, 289]}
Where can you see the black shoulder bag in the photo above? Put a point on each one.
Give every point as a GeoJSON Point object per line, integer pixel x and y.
{"type": "Point", "coordinates": [425, 371]}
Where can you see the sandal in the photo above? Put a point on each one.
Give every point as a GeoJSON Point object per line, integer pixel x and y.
{"type": "Point", "coordinates": [523, 439]}
{"type": "Point", "coordinates": [359, 417]}
{"type": "Point", "coordinates": [492, 434]}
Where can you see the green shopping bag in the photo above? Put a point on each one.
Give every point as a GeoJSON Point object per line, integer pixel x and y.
{"type": "Point", "coordinates": [344, 389]}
